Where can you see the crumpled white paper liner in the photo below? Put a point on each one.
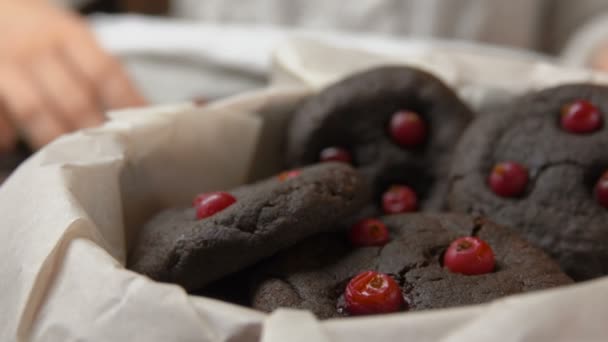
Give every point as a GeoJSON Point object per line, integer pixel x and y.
{"type": "Point", "coordinates": [71, 210]}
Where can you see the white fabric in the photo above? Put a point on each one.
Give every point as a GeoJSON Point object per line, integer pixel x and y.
{"type": "Point", "coordinates": [478, 20]}
{"type": "Point", "coordinates": [175, 60]}
{"type": "Point", "coordinates": [533, 24]}
{"type": "Point", "coordinates": [585, 44]}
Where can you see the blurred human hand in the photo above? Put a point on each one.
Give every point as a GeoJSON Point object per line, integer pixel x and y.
{"type": "Point", "coordinates": [54, 77]}
{"type": "Point", "coordinates": [599, 58]}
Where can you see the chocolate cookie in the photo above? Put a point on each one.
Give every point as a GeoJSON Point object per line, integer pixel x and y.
{"type": "Point", "coordinates": [559, 140]}
{"type": "Point", "coordinates": [266, 217]}
{"type": "Point", "coordinates": [397, 125]}
{"type": "Point", "coordinates": [313, 275]}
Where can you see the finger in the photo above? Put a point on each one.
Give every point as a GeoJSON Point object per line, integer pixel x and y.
{"type": "Point", "coordinates": [600, 59]}
{"type": "Point", "coordinates": [25, 108]}
{"type": "Point", "coordinates": [105, 72]}
{"type": "Point", "coordinates": [8, 134]}
{"type": "Point", "coordinates": [118, 91]}
{"type": "Point", "coordinates": [44, 129]}
{"type": "Point", "coordinates": [67, 93]}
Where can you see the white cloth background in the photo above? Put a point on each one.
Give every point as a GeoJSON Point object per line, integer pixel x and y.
{"type": "Point", "coordinates": [533, 24]}
{"type": "Point", "coordinates": [224, 46]}
{"type": "Point", "coordinates": [175, 60]}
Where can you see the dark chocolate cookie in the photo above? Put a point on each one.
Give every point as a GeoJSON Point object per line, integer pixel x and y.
{"type": "Point", "coordinates": [266, 217]}
{"type": "Point", "coordinates": [355, 115]}
{"type": "Point", "coordinates": [313, 275]}
{"type": "Point", "coordinates": [557, 209]}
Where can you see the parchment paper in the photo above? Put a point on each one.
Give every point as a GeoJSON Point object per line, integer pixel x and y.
{"type": "Point", "coordinates": [481, 77]}
{"type": "Point", "coordinates": [69, 213]}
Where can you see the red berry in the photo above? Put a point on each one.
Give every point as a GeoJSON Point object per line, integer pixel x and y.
{"type": "Point", "coordinates": [369, 232]}
{"type": "Point", "coordinates": [469, 255]}
{"type": "Point", "coordinates": [335, 154]}
{"type": "Point", "coordinates": [601, 190]}
{"type": "Point", "coordinates": [285, 175]}
{"type": "Point", "coordinates": [508, 179]}
{"type": "Point", "coordinates": [407, 128]}
{"type": "Point", "coordinates": [371, 293]}
{"type": "Point", "coordinates": [212, 203]}
{"type": "Point", "coordinates": [200, 198]}
{"type": "Point", "coordinates": [581, 117]}
{"type": "Point", "coordinates": [399, 199]}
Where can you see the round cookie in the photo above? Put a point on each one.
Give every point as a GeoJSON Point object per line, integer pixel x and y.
{"type": "Point", "coordinates": [557, 210]}
{"type": "Point", "coordinates": [314, 274]}
{"type": "Point", "coordinates": [355, 114]}
{"type": "Point", "coordinates": [267, 217]}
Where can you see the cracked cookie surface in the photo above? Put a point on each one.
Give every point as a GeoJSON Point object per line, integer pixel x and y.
{"type": "Point", "coordinates": [557, 211]}
{"type": "Point", "coordinates": [313, 274]}
{"type": "Point", "coordinates": [267, 217]}
{"type": "Point", "coordinates": [355, 113]}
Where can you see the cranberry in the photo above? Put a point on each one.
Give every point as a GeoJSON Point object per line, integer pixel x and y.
{"type": "Point", "coordinates": [285, 175]}
{"type": "Point", "coordinates": [581, 117]}
{"type": "Point", "coordinates": [407, 128]}
{"type": "Point", "coordinates": [335, 154]}
{"type": "Point", "coordinates": [508, 179]}
{"type": "Point", "coordinates": [212, 203]}
{"type": "Point", "coordinates": [371, 293]}
{"type": "Point", "coordinates": [601, 190]}
{"type": "Point", "coordinates": [200, 198]}
{"type": "Point", "coordinates": [399, 199]}
{"type": "Point", "coordinates": [469, 255]}
{"type": "Point", "coordinates": [369, 232]}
